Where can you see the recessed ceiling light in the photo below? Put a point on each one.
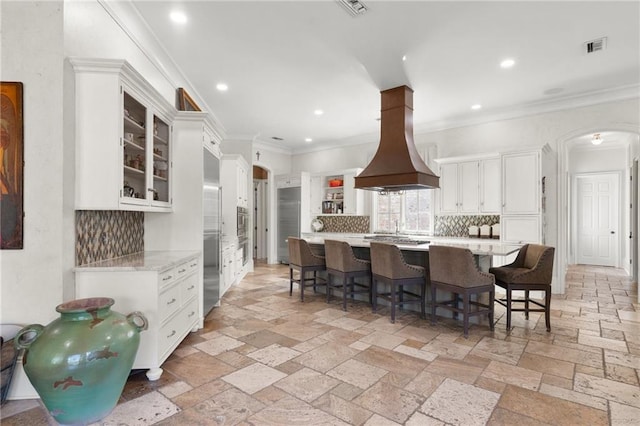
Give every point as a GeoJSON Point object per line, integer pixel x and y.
{"type": "Point", "coordinates": [178, 17]}
{"type": "Point", "coordinates": [308, 140]}
{"type": "Point", "coordinates": [476, 106]}
{"type": "Point", "coordinates": [507, 63]}
{"type": "Point", "coordinates": [222, 87]}
{"type": "Point", "coordinates": [318, 112]}
{"type": "Point", "coordinates": [404, 57]}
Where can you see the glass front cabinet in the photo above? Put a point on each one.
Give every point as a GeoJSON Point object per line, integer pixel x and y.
{"type": "Point", "coordinates": [123, 139]}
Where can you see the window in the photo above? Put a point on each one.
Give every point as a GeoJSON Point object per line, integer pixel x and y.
{"type": "Point", "coordinates": [407, 211]}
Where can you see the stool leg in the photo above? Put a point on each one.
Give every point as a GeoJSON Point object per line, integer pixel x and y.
{"type": "Point", "coordinates": [508, 308]}
{"type": "Point", "coordinates": [433, 304]}
{"type": "Point", "coordinates": [302, 281]}
{"type": "Point", "coordinates": [344, 292]}
{"type": "Point", "coordinates": [374, 295]}
{"type": "Point", "coordinates": [315, 278]}
{"type": "Point", "coordinates": [423, 298]}
{"type": "Point", "coordinates": [328, 286]}
{"type": "Point", "coordinates": [393, 302]}
{"type": "Point", "coordinates": [547, 308]}
{"type": "Point", "coordinates": [526, 304]}
{"type": "Point", "coordinates": [492, 295]}
{"type": "Point", "coordinates": [465, 315]}
{"type": "Point", "coordinates": [290, 281]}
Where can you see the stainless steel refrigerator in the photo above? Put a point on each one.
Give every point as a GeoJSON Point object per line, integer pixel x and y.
{"type": "Point", "coordinates": [211, 230]}
{"type": "Point", "coordinates": [288, 219]}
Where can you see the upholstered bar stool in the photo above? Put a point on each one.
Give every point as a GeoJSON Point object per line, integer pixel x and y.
{"type": "Point", "coordinates": [344, 265]}
{"type": "Point", "coordinates": [454, 270]}
{"type": "Point", "coordinates": [388, 266]}
{"type": "Point", "coordinates": [302, 259]}
{"type": "Point", "coordinates": [531, 271]}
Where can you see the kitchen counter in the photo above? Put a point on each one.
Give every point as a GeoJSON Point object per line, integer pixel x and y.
{"type": "Point", "coordinates": [142, 261]}
{"type": "Point", "coordinates": [479, 247]}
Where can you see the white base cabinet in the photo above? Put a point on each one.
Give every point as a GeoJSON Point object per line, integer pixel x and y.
{"type": "Point", "coordinates": [167, 297]}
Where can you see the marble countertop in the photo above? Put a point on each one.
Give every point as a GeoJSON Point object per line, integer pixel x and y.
{"type": "Point", "coordinates": [142, 261]}
{"type": "Point", "coordinates": [478, 246]}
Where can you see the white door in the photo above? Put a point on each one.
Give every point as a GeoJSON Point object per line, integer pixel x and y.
{"type": "Point", "coordinates": [597, 212]}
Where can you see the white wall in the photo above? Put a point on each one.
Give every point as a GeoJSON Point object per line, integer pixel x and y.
{"type": "Point", "coordinates": [598, 159]}
{"type": "Point", "coordinates": [31, 279]}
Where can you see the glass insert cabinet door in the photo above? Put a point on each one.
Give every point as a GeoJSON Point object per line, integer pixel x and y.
{"type": "Point", "coordinates": [146, 155]}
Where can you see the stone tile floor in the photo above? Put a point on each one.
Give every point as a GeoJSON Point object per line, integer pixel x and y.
{"type": "Point", "coordinates": [264, 358]}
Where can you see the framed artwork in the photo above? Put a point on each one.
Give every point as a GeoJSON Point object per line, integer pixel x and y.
{"type": "Point", "coordinates": [11, 166]}
{"type": "Point", "coordinates": [185, 103]}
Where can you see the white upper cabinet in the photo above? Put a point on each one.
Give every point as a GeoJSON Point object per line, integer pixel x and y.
{"type": "Point", "coordinates": [123, 139]}
{"type": "Point", "coordinates": [233, 178]}
{"type": "Point", "coordinates": [521, 183]}
{"type": "Point", "coordinates": [449, 188]}
{"type": "Point", "coordinates": [470, 185]}
{"type": "Point", "coordinates": [490, 186]}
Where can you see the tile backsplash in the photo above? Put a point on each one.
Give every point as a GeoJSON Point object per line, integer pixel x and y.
{"type": "Point", "coordinates": [107, 234]}
{"type": "Point", "coordinates": [346, 223]}
{"type": "Point", "coordinates": [458, 226]}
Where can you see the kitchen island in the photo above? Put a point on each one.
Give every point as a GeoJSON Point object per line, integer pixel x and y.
{"type": "Point", "coordinates": [416, 250]}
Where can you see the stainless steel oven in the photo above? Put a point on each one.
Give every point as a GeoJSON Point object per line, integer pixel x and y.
{"type": "Point", "coordinates": [243, 222]}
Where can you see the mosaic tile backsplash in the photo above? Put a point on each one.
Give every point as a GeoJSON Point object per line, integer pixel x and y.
{"type": "Point", "coordinates": [458, 226]}
{"type": "Point", "coordinates": [107, 234]}
{"type": "Point", "coordinates": [349, 224]}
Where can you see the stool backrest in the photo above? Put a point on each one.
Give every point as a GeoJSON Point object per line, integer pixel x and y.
{"type": "Point", "coordinates": [456, 266]}
{"type": "Point", "coordinates": [300, 253]}
{"type": "Point", "coordinates": [339, 256]}
{"type": "Point", "coordinates": [387, 261]}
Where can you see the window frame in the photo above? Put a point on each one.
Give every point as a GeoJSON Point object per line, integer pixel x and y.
{"type": "Point", "coordinates": [403, 210]}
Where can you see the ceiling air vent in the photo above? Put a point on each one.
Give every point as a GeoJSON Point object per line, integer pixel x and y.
{"type": "Point", "coordinates": [595, 45]}
{"type": "Point", "coordinates": [354, 7]}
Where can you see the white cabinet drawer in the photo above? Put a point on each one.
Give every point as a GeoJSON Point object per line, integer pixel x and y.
{"type": "Point", "coordinates": [193, 264]}
{"type": "Point", "coordinates": [190, 313]}
{"type": "Point", "coordinates": [170, 333]}
{"type": "Point", "coordinates": [169, 302]}
{"type": "Point", "coordinates": [189, 288]}
{"type": "Point", "coordinates": [167, 277]}
{"type": "Point", "coordinates": [182, 270]}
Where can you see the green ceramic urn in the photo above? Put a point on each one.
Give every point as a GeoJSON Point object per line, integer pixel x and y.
{"type": "Point", "coordinates": [79, 363]}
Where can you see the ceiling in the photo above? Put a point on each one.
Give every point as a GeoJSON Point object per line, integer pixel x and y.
{"type": "Point", "coordinates": [284, 60]}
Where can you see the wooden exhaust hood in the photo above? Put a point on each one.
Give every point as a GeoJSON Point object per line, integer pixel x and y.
{"type": "Point", "coordinates": [396, 166]}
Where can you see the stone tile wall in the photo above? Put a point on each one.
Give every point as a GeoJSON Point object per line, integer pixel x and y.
{"type": "Point", "coordinates": [458, 226]}
{"type": "Point", "coordinates": [346, 223]}
{"type": "Point", "coordinates": [107, 234]}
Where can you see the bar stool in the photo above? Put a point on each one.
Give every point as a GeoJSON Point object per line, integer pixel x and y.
{"type": "Point", "coordinates": [302, 259]}
{"type": "Point", "coordinates": [453, 269]}
{"type": "Point", "coordinates": [531, 271]}
{"type": "Point", "coordinates": [343, 264]}
{"type": "Point", "coordinates": [388, 266]}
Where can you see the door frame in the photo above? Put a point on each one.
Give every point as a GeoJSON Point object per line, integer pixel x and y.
{"type": "Point", "coordinates": [564, 144]}
{"type": "Point", "coordinates": [618, 174]}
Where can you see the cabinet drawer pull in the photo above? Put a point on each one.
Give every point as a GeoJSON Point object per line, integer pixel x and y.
{"type": "Point", "coordinates": [192, 287]}
{"type": "Point", "coordinates": [168, 277]}
{"type": "Point", "coordinates": [192, 314]}
{"type": "Point", "coordinates": [181, 271]}
{"type": "Point", "coordinates": [194, 264]}
{"type": "Point", "coordinates": [171, 301]}
{"type": "Point", "coordinates": [173, 333]}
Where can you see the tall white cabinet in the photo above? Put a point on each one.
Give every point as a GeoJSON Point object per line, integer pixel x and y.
{"type": "Point", "coordinates": [123, 139]}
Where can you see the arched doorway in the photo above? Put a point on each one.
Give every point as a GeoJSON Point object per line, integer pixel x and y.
{"type": "Point", "coordinates": [579, 158]}
{"type": "Point", "coordinates": [260, 214]}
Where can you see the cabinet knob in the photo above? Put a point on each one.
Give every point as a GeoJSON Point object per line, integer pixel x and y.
{"type": "Point", "coordinates": [173, 333]}
{"type": "Point", "coordinates": [171, 301]}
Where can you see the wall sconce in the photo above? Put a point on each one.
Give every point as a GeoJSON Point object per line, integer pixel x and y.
{"type": "Point", "coordinates": [596, 139]}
